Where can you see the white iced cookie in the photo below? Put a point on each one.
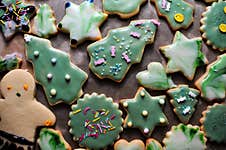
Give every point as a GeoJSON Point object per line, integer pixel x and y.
{"type": "Point", "coordinates": [20, 112]}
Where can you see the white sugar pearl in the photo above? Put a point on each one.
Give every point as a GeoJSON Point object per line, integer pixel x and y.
{"type": "Point", "coordinates": [146, 130]}
{"type": "Point", "coordinates": [142, 93]}
{"type": "Point", "coordinates": [53, 61]}
{"type": "Point", "coordinates": [49, 76]}
{"type": "Point", "coordinates": [161, 101]}
{"type": "Point", "coordinates": [53, 92]}
{"type": "Point", "coordinates": [67, 77]}
{"type": "Point", "coordinates": [162, 120]}
{"type": "Point", "coordinates": [36, 53]}
{"type": "Point", "coordinates": [145, 113]}
{"type": "Point", "coordinates": [125, 104]}
{"type": "Point", "coordinates": [130, 124]}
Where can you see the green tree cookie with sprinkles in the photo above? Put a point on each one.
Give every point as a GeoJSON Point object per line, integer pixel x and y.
{"type": "Point", "coordinates": [178, 13]}
{"type": "Point", "coordinates": [15, 17]}
{"type": "Point", "coordinates": [144, 111]}
{"type": "Point", "coordinates": [184, 55]}
{"type": "Point", "coordinates": [62, 81]}
{"type": "Point", "coordinates": [213, 83]}
{"type": "Point", "coordinates": [214, 25]}
{"type": "Point", "coordinates": [214, 123]}
{"type": "Point", "coordinates": [112, 56]}
{"type": "Point", "coordinates": [82, 22]}
{"type": "Point", "coordinates": [184, 101]}
{"type": "Point", "coordinates": [185, 137]}
{"type": "Point", "coordinates": [95, 121]}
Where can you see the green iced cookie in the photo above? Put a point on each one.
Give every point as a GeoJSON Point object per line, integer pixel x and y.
{"type": "Point", "coordinates": [152, 144]}
{"type": "Point", "coordinates": [95, 121]}
{"type": "Point", "coordinates": [10, 62]}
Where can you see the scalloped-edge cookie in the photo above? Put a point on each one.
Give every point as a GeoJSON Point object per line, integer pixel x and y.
{"type": "Point", "coordinates": [212, 82]}
{"type": "Point", "coordinates": [214, 25]}
{"type": "Point", "coordinates": [153, 144]}
{"type": "Point", "coordinates": [95, 121]}
{"type": "Point", "coordinates": [50, 139]}
{"type": "Point", "coordinates": [184, 137]}
{"type": "Point", "coordinates": [135, 144]}
{"type": "Point", "coordinates": [213, 122]}
{"type": "Point", "coordinates": [123, 8]}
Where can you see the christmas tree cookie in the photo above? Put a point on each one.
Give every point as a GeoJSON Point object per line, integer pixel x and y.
{"type": "Point", "coordinates": [213, 122]}
{"type": "Point", "coordinates": [183, 101]}
{"type": "Point", "coordinates": [44, 22]}
{"type": "Point", "coordinates": [184, 137]}
{"type": "Point", "coordinates": [184, 55]}
{"type": "Point", "coordinates": [152, 144]}
{"type": "Point", "coordinates": [20, 112]}
{"type": "Point", "coordinates": [50, 139]}
{"type": "Point", "coordinates": [214, 25]}
{"type": "Point", "coordinates": [112, 56]}
{"type": "Point", "coordinates": [82, 22]}
{"type": "Point", "coordinates": [155, 77]}
{"type": "Point", "coordinates": [95, 121]}
{"type": "Point", "coordinates": [62, 81]}
{"type": "Point", "coordinates": [212, 83]}
{"type": "Point", "coordinates": [15, 17]}
{"type": "Point", "coordinates": [123, 8]}
{"type": "Point", "coordinates": [144, 111]}
{"type": "Point", "coordinates": [135, 144]}
{"type": "Point", "coordinates": [178, 13]}
{"type": "Point", "coordinates": [10, 62]}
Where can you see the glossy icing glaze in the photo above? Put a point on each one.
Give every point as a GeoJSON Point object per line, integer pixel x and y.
{"type": "Point", "coordinates": [44, 22]}
{"type": "Point", "coordinates": [144, 111]}
{"type": "Point", "coordinates": [112, 56]}
{"type": "Point", "coordinates": [213, 123]}
{"type": "Point", "coordinates": [183, 101]}
{"type": "Point", "coordinates": [95, 121]}
{"type": "Point", "coordinates": [212, 83]}
{"type": "Point", "coordinates": [214, 25]}
{"type": "Point", "coordinates": [50, 139]}
{"type": "Point", "coordinates": [184, 137]}
{"type": "Point", "coordinates": [10, 62]}
{"type": "Point", "coordinates": [178, 13]}
{"type": "Point", "coordinates": [62, 81]}
{"type": "Point", "coordinates": [15, 17]}
{"type": "Point", "coordinates": [82, 22]}
{"type": "Point", "coordinates": [124, 8]}
{"type": "Point", "coordinates": [184, 55]}
{"type": "Point", "coordinates": [154, 77]}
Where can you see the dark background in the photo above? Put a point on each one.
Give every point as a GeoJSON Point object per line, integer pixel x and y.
{"type": "Point", "coordinates": [127, 88]}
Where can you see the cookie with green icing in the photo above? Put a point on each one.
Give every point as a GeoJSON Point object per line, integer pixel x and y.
{"type": "Point", "coordinates": [50, 139]}
{"type": "Point", "coordinates": [95, 121]}
{"type": "Point", "coordinates": [184, 55]}
{"type": "Point", "coordinates": [155, 77]}
{"type": "Point", "coordinates": [15, 17]}
{"type": "Point", "coordinates": [213, 83]}
{"type": "Point", "coordinates": [214, 25]}
{"type": "Point", "coordinates": [183, 101]}
{"type": "Point", "coordinates": [123, 8]}
{"type": "Point", "coordinates": [132, 145]}
{"type": "Point", "coordinates": [178, 13]}
{"type": "Point", "coordinates": [213, 122]}
{"type": "Point", "coordinates": [184, 137]}
{"type": "Point", "coordinates": [112, 56]}
{"type": "Point", "coordinates": [10, 62]}
{"type": "Point", "coordinates": [82, 22]}
{"type": "Point", "coordinates": [62, 81]}
{"type": "Point", "coordinates": [44, 24]}
{"type": "Point", "coordinates": [144, 111]}
{"type": "Point", "coordinates": [152, 144]}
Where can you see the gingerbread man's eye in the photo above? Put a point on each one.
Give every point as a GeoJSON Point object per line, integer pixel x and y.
{"type": "Point", "coordinates": [25, 87]}
{"type": "Point", "coordinates": [9, 87]}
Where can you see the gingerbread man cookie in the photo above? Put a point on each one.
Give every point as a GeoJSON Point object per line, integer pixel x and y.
{"type": "Point", "coordinates": [123, 8]}
{"type": "Point", "coordinates": [15, 17]}
{"type": "Point", "coordinates": [82, 22]}
{"type": "Point", "coordinates": [112, 56]}
{"type": "Point", "coordinates": [20, 112]}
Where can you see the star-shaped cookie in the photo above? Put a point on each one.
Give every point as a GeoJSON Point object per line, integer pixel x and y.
{"type": "Point", "coordinates": [184, 55]}
{"type": "Point", "coordinates": [82, 22]}
{"type": "Point", "coordinates": [144, 111]}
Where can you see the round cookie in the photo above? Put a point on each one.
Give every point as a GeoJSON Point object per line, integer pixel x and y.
{"type": "Point", "coordinates": [123, 8]}
{"type": "Point", "coordinates": [95, 121]}
{"type": "Point", "coordinates": [214, 25]}
{"type": "Point", "coordinates": [20, 112]}
{"type": "Point", "coordinates": [132, 145]}
{"type": "Point", "coordinates": [184, 137]}
{"type": "Point", "coordinates": [213, 122]}
{"type": "Point", "coordinates": [50, 139]}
